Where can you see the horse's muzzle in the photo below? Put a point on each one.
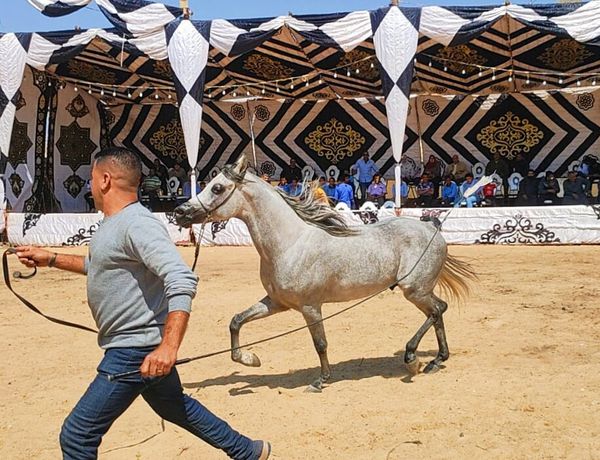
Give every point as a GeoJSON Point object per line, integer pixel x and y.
{"type": "Point", "coordinates": [186, 215]}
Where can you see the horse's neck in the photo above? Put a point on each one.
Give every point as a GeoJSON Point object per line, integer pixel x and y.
{"type": "Point", "coordinates": [273, 225]}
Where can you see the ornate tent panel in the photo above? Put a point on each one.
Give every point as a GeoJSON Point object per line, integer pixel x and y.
{"type": "Point", "coordinates": [76, 138]}
{"type": "Point", "coordinates": [549, 130]}
{"type": "Point", "coordinates": [27, 143]}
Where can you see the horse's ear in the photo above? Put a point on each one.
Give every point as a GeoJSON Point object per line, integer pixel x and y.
{"type": "Point", "coordinates": [241, 165]}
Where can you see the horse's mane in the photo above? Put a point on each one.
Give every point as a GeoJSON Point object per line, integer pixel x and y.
{"type": "Point", "coordinates": [315, 213]}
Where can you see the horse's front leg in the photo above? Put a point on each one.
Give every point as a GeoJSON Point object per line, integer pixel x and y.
{"type": "Point", "coordinates": [314, 319]}
{"type": "Point", "coordinates": [262, 309]}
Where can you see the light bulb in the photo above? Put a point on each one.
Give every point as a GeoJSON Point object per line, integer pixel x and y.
{"type": "Point", "coordinates": [306, 84]}
{"type": "Point", "coordinates": [223, 92]}
{"type": "Point", "coordinates": [320, 81]}
{"type": "Point", "coordinates": [169, 96]}
{"type": "Point", "coordinates": [156, 96]}
{"type": "Point", "coordinates": [357, 71]}
{"type": "Point", "coordinates": [102, 92]}
{"type": "Point", "coordinates": [463, 71]}
{"type": "Point", "coordinates": [292, 85]}
{"type": "Point", "coordinates": [480, 72]}
{"type": "Point", "coordinates": [114, 93]}
{"type": "Point", "coordinates": [334, 74]}
{"type": "Point", "coordinates": [234, 94]}
{"type": "Point", "coordinates": [594, 82]}
{"type": "Point", "coordinates": [75, 89]}
{"type": "Point", "coordinates": [129, 95]}
{"type": "Point", "coordinates": [247, 93]}
{"type": "Point", "coordinates": [90, 91]}
{"type": "Point", "coordinates": [445, 69]}
{"type": "Point", "coordinates": [544, 83]}
{"type": "Point", "coordinates": [373, 65]}
{"type": "Point", "coordinates": [263, 91]}
{"type": "Point", "coordinates": [348, 73]}
{"type": "Point", "coordinates": [578, 83]}
{"type": "Point", "coordinates": [277, 89]}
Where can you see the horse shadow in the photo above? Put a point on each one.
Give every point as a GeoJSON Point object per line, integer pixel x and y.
{"type": "Point", "coordinates": [354, 369]}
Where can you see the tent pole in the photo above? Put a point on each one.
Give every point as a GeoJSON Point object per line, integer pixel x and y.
{"type": "Point", "coordinates": [421, 150]}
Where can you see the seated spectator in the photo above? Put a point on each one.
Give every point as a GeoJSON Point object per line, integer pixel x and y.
{"type": "Point", "coordinates": [376, 191]}
{"type": "Point", "coordinates": [548, 189]}
{"type": "Point", "coordinates": [528, 189]}
{"type": "Point", "coordinates": [151, 184]}
{"type": "Point", "coordinates": [475, 196]}
{"type": "Point", "coordinates": [575, 189]}
{"type": "Point", "coordinates": [489, 193]}
{"type": "Point", "coordinates": [283, 185]}
{"type": "Point", "coordinates": [449, 191]}
{"type": "Point", "coordinates": [434, 170]}
{"type": "Point", "coordinates": [403, 191]}
{"type": "Point", "coordinates": [178, 172]}
{"type": "Point", "coordinates": [520, 165]}
{"type": "Point", "coordinates": [295, 188]}
{"type": "Point", "coordinates": [187, 188]}
{"type": "Point", "coordinates": [425, 191]}
{"type": "Point", "coordinates": [265, 177]}
{"type": "Point", "coordinates": [331, 191]}
{"type": "Point", "coordinates": [499, 166]}
{"type": "Point", "coordinates": [345, 192]}
{"type": "Point", "coordinates": [457, 170]}
{"type": "Point", "coordinates": [319, 193]}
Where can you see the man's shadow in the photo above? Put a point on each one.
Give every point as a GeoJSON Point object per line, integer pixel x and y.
{"type": "Point", "coordinates": [354, 369]}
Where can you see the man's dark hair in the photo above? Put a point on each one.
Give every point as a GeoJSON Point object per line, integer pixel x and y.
{"type": "Point", "coordinates": [469, 175]}
{"type": "Point", "coordinates": [125, 159]}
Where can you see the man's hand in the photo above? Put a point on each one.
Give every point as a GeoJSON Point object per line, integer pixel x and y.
{"type": "Point", "coordinates": [34, 257]}
{"type": "Point", "coordinates": [160, 362]}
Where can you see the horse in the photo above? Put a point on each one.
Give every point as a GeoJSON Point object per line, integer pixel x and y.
{"type": "Point", "coordinates": [310, 256]}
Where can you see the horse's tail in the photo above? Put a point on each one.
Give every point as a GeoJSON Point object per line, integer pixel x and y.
{"type": "Point", "coordinates": [455, 279]}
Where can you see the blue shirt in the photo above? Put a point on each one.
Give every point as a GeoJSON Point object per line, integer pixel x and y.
{"type": "Point", "coordinates": [345, 193]}
{"type": "Point", "coordinates": [366, 170]}
{"type": "Point", "coordinates": [466, 186]}
{"type": "Point", "coordinates": [294, 191]}
{"type": "Point", "coordinates": [284, 188]}
{"type": "Point", "coordinates": [403, 190]}
{"type": "Point", "coordinates": [187, 188]}
{"type": "Point", "coordinates": [449, 192]}
{"type": "Point", "coordinates": [331, 192]}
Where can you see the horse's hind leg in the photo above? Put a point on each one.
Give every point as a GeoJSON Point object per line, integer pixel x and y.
{"type": "Point", "coordinates": [313, 317]}
{"type": "Point", "coordinates": [261, 309]}
{"type": "Point", "coordinates": [433, 307]}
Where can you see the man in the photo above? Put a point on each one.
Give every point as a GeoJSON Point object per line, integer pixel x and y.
{"type": "Point", "coordinates": [151, 184]}
{"type": "Point", "coordinates": [528, 189]}
{"type": "Point", "coordinates": [575, 189]}
{"type": "Point", "coordinates": [178, 172]}
{"type": "Point", "coordinates": [376, 191]}
{"type": "Point", "coordinates": [140, 293]}
{"type": "Point", "coordinates": [449, 191]}
{"type": "Point", "coordinates": [425, 191]}
{"type": "Point", "coordinates": [187, 188]}
{"type": "Point", "coordinates": [295, 189]}
{"type": "Point", "coordinates": [366, 169]}
{"type": "Point", "coordinates": [283, 185]}
{"type": "Point", "coordinates": [161, 172]}
{"type": "Point", "coordinates": [548, 189]}
{"type": "Point", "coordinates": [434, 170]}
{"type": "Point", "coordinates": [331, 191]}
{"type": "Point", "coordinates": [465, 187]}
{"type": "Point", "coordinates": [345, 192]}
{"type": "Point", "coordinates": [457, 170]}
{"type": "Point", "coordinates": [520, 165]}
{"type": "Point", "coordinates": [292, 172]}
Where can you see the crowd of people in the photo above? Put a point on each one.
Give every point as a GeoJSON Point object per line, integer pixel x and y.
{"type": "Point", "coordinates": [438, 185]}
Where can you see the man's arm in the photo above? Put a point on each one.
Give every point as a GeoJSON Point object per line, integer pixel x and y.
{"type": "Point", "coordinates": [161, 361]}
{"type": "Point", "coordinates": [37, 257]}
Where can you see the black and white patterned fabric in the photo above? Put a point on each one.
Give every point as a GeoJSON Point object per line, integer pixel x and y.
{"type": "Point", "coordinates": [394, 51]}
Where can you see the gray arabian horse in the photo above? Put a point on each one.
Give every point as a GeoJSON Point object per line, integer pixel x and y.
{"type": "Point", "coordinates": [309, 256]}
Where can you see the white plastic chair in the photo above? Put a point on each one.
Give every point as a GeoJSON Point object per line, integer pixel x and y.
{"type": "Point", "coordinates": [478, 170]}
{"type": "Point", "coordinates": [173, 185]}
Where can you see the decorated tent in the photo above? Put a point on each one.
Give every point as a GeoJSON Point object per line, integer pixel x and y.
{"type": "Point", "coordinates": [400, 83]}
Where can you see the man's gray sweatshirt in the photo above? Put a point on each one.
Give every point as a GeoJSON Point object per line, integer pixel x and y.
{"type": "Point", "coordinates": [135, 277]}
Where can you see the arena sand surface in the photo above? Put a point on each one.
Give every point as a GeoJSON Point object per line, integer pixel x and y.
{"type": "Point", "coordinates": [523, 379]}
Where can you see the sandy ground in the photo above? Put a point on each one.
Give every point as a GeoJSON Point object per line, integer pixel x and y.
{"type": "Point", "coordinates": [523, 379]}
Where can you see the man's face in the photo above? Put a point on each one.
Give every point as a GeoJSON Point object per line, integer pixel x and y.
{"type": "Point", "coordinates": [366, 157]}
{"type": "Point", "coordinates": [331, 182]}
{"type": "Point", "coordinates": [95, 186]}
{"type": "Point", "coordinates": [572, 176]}
{"type": "Point", "coordinates": [469, 179]}
{"type": "Point", "coordinates": [292, 163]}
{"type": "Point", "coordinates": [455, 158]}
{"type": "Point", "coordinates": [496, 156]}
{"type": "Point", "coordinates": [321, 182]}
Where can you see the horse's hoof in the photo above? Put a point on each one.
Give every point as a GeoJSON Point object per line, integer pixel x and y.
{"type": "Point", "coordinates": [249, 359]}
{"type": "Point", "coordinates": [431, 368]}
{"type": "Point", "coordinates": [313, 389]}
{"type": "Point", "coordinates": [413, 366]}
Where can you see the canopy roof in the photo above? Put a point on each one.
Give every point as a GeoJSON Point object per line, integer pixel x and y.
{"type": "Point", "coordinates": [153, 53]}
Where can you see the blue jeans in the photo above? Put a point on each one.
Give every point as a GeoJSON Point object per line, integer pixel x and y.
{"type": "Point", "coordinates": [470, 201]}
{"type": "Point", "coordinates": [105, 401]}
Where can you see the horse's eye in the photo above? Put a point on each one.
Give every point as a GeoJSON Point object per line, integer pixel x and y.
{"type": "Point", "coordinates": [217, 189]}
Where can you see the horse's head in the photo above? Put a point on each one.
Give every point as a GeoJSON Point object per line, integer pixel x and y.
{"type": "Point", "coordinates": [220, 199]}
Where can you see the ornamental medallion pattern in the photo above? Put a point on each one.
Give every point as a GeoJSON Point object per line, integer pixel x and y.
{"type": "Point", "coordinates": [262, 113]}
{"type": "Point", "coordinates": [585, 101]}
{"type": "Point", "coordinates": [20, 143]}
{"type": "Point", "coordinates": [266, 68]}
{"type": "Point", "coordinates": [430, 107]}
{"type": "Point", "coordinates": [238, 112]}
{"type": "Point", "coordinates": [335, 141]}
{"type": "Point", "coordinates": [77, 107]}
{"type": "Point", "coordinates": [89, 72]}
{"type": "Point", "coordinates": [75, 146]}
{"type": "Point", "coordinates": [268, 168]}
{"type": "Point", "coordinates": [74, 184]}
{"type": "Point", "coordinates": [460, 57]}
{"type": "Point", "coordinates": [16, 184]}
{"type": "Point", "coordinates": [359, 59]}
{"type": "Point", "coordinates": [518, 230]}
{"type": "Point", "coordinates": [163, 69]}
{"type": "Point", "coordinates": [510, 135]}
{"type": "Point", "coordinates": [169, 141]}
{"type": "Point", "coordinates": [565, 54]}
